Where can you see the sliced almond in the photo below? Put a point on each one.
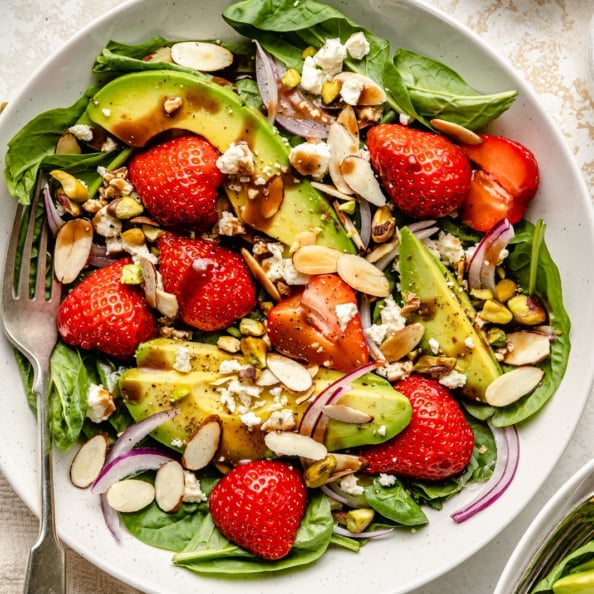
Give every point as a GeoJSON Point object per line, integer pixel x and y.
{"type": "Point", "coordinates": [511, 386]}
{"type": "Point", "coordinates": [346, 414]}
{"type": "Point", "coordinates": [290, 373]}
{"type": "Point", "coordinates": [73, 247]}
{"type": "Point", "coordinates": [267, 379]}
{"type": "Point", "coordinates": [358, 175]}
{"type": "Point", "coordinates": [260, 274]}
{"type": "Point", "coordinates": [89, 461]}
{"type": "Point", "coordinates": [342, 144]}
{"type": "Point", "coordinates": [130, 495]}
{"type": "Point", "coordinates": [203, 446]}
{"type": "Point", "coordinates": [289, 443]}
{"type": "Point", "coordinates": [170, 486]}
{"type": "Point", "coordinates": [163, 54]}
{"type": "Point", "coordinates": [526, 348]}
{"type": "Point", "coordinates": [348, 118]}
{"type": "Point", "coordinates": [331, 191]}
{"type": "Point", "coordinates": [149, 275]}
{"type": "Point", "coordinates": [402, 342]}
{"type": "Point", "coordinates": [202, 56]}
{"type": "Point", "coordinates": [362, 276]}
{"type": "Point", "coordinates": [379, 252]}
{"type": "Point", "coordinates": [316, 259]}
{"type": "Point", "coordinates": [456, 131]}
{"type": "Point", "coordinates": [166, 303]}
{"type": "Point", "coordinates": [371, 92]}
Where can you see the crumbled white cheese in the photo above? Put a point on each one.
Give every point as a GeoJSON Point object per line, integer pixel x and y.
{"type": "Point", "coordinates": [82, 132]}
{"type": "Point", "coordinates": [230, 366]}
{"type": "Point", "coordinates": [396, 371]}
{"type": "Point", "coordinates": [434, 345]}
{"type": "Point", "coordinates": [312, 78]}
{"type": "Point", "coordinates": [177, 443]}
{"type": "Point", "coordinates": [350, 484]}
{"type": "Point", "coordinates": [106, 112]}
{"type": "Point", "coordinates": [351, 90]}
{"type": "Point", "coordinates": [386, 480]}
{"type": "Point", "coordinates": [330, 56]}
{"type": "Point", "coordinates": [357, 45]}
{"type": "Point", "coordinates": [454, 379]}
{"type": "Point", "coordinates": [280, 420]}
{"type": "Point", "coordinates": [229, 224]}
{"type": "Point", "coordinates": [447, 247]}
{"type": "Point", "coordinates": [311, 158]}
{"type": "Point", "coordinates": [250, 419]}
{"type": "Point", "coordinates": [192, 489]}
{"type": "Point", "coordinates": [390, 322]}
{"type": "Point", "coordinates": [278, 267]}
{"type": "Point", "coordinates": [345, 312]}
{"type": "Point", "coordinates": [182, 363]}
{"type": "Point", "coordinates": [238, 159]}
{"type": "Point", "coordinates": [468, 342]}
{"type": "Point", "coordinates": [100, 403]}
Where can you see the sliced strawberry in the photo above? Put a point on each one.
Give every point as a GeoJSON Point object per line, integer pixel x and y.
{"type": "Point", "coordinates": [178, 182]}
{"type": "Point", "coordinates": [104, 314]}
{"type": "Point", "coordinates": [259, 506]}
{"type": "Point", "coordinates": [212, 284]}
{"type": "Point", "coordinates": [307, 326]}
{"type": "Point", "coordinates": [423, 173]}
{"type": "Point", "coordinates": [435, 445]}
{"type": "Point", "coordinates": [504, 182]}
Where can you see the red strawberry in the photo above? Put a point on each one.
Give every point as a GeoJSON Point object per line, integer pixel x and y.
{"type": "Point", "coordinates": [423, 173]}
{"type": "Point", "coordinates": [178, 181]}
{"type": "Point", "coordinates": [435, 445]}
{"type": "Point", "coordinates": [259, 505]}
{"type": "Point", "coordinates": [104, 314]}
{"type": "Point", "coordinates": [306, 326]}
{"type": "Point", "coordinates": [212, 284]}
{"type": "Point", "coordinates": [506, 179]}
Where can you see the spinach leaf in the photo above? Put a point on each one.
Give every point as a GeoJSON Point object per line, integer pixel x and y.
{"type": "Point", "coordinates": [68, 395]}
{"type": "Point", "coordinates": [548, 288]}
{"type": "Point", "coordinates": [210, 552]}
{"type": "Point", "coordinates": [394, 503]}
{"type": "Point", "coordinates": [34, 141]}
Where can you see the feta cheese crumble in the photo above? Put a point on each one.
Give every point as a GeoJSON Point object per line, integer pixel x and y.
{"type": "Point", "coordinates": [238, 159]}
{"type": "Point", "coordinates": [454, 379]}
{"type": "Point", "coordinates": [345, 312]}
{"type": "Point", "coordinates": [100, 403]}
{"type": "Point", "coordinates": [192, 489]}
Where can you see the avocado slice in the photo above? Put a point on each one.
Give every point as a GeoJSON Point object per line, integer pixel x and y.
{"type": "Point", "coordinates": [447, 315]}
{"type": "Point", "coordinates": [132, 108]}
{"type": "Point", "coordinates": [579, 582]}
{"type": "Point", "coordinates": [156, 385]}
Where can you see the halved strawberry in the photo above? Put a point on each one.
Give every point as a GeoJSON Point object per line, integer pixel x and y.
{"type": "Point", "coordinates": [259, 506]}
{"type": "Point", "coordinates": [212, 284]}
{"type": "Point", "coordinates": [423, 173]}
{"type": "Point", "coordinates": [308, 326]}
{"type": "Point", "coordinates": [104, 314]}
{"type": "Point", "coordinates": [435, 445]}
{"type": "Point", "coordinates": [178, 182]}
{"type": "Point", "coordinates": [504, 182]}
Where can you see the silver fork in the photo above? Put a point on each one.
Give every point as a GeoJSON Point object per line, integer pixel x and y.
{"type": "Point", "coordinates": [29, 306]}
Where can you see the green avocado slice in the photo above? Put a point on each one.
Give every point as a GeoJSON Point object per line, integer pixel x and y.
{"type": "Point", "coordinates": [447, 314]}
{"type": "Point", "coordinates": [138, 106]}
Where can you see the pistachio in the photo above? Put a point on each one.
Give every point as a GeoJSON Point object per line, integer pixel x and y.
{"type": "Point", "coordinates": [133, 236]}
{"type": "Point", "coordinates": [73, 247]}
{"type": "Point", "coordinates": [362, 276]}
{"type": "Point", "coordinates": [383, 225]}
{"type": "Point", "coordinates": [330, 91]}
{"type": "Point", "coordinates": [202, 56]}
{"type": "Point", "coordinates": [229, 344]}
{"type": "Point", "coordinates": [481, 294]}
{"type": "Point", "coordinates": [74, 188]}
{"type": "Point", "coordinates": [254, 349]}
{"type": "Point", "coordinates": [456, 131]}
{"type": "Point", "coordinates": [251, 327]}
{"type": "Point", "coordinates": [125, 208]}
{"type": "Point", "coordinates": [511, 386]}
{"type": "Point", "coordinates": [526, 348]}
{"type": "Point", "coordinates": [319, 472]}
{"type": "Point", "coordinates": [131, 274]}
{"type": "Point", "coordinates": [291, 78]}
{"type": "Point", "coordinates": [496, 337]}
{"type": "Point", "coordinates": [402, 342]}
{"type": "Point", "coordinates": [527, 310]}
{"type": "Point", "coordinates": [495, 312]}
{"type": "Point", "coordinates": [357, 520]}
{"type": "Point", "coordinates": [316, 259]}
{"type": "Point", "coordinates": [505, 289]}
{"type": "Point", "coordinates": [435, 365]}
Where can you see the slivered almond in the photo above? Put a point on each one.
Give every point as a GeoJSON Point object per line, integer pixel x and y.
{"type": "Point", "coordinates": [257, 270]}
{"type": "Point", "coordinates": [149, 275]}
{"type": "Point", "coordinates": [376, 254]}
{"type": "Point", "coordinates": [73, 247]}
{"type": "Point", "coordinates": [202, 56]}
{"type": "Point", "coordinates": [358, 175]}
{"type": "Point", "coordinates": [331, 190]}
{"type": "Point", "coordinates": [130, 495]}
{"type": "Point", "coordinates": [526, 348]}
{"type": "Point", "coordinates": [289, 443]}
{"type": "Point", "coordinates": [402, 342]}
{"type": "Point", "coordinates": [362, 276]}
{"type": "Point", "coordinates": [346, 414]}
{"type": "Point", "coordinates": [203, 446]}
{"type": "Point", "coordinates": [166, 303]}
{"type": "Point", "coordinates": [371, 93]}
{"type": "Point", "coordinates": [89, 460]}
{"type": "Point", "coordinates": [170, 486]}
{"type": "Point", "coordinates": [316, 259]}
{"type": "Point", "coordinates": [342, 144]}
{"type": "Point", "coordinates": [267, 378]}
{"type": "Point", "coordinates": [348, 118]}
{"type": "Point", "coordinates": [292, 374]}
{"type": "Point", "coordinates": [511, 386]}
{"type": "Point", "coordinates": [456, 131]}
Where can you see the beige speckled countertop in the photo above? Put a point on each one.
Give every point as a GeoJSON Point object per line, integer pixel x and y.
{"type": "Point", "coordinates": [545, 40]}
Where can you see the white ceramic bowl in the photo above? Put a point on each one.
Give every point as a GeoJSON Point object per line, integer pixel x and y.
{"type": "Point", "coordinates": [408, 560]}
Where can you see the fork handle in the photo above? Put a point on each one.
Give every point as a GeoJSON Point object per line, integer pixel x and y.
{"type": "Point", "coordinates": [46, 566]}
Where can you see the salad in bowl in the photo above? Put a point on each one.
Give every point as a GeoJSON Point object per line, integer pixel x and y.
{"type": "Point", "coordinates": [303, 302]}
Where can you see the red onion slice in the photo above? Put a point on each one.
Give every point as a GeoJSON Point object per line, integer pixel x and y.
{"type": "Point", "coordinates": [304, 127]}
{"type": "Point", "coordinates": [333, 491]}
{"type": "Point", "coordinates": [133, 462]}
{"type": "Point", "coordinates": [508, 456]}
{"type": "Point", "coordinates": [365, 213]}
{"type": "Point", "coordinates": [481, 269]}
{"type": "Point", "coordinates": [54, 220]}
{"type": "Point", "coordinates": [266, 78]}
{"type": "Point", "coordinates": [138, 431]}
{"type": "Point", "coordinates": [369, 534]}
{"type": "Point", "coordinates": [111, 518]}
